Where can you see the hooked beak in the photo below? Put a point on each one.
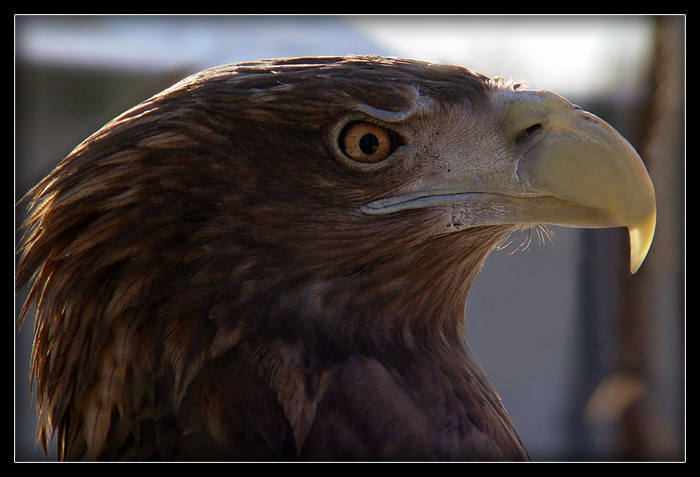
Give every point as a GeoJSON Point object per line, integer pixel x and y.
{"type": "Point", "coordinates": [572, 169]}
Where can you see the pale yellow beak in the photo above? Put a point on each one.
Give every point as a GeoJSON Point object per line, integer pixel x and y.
{"type": "Point", "coordinates": [583, 160]}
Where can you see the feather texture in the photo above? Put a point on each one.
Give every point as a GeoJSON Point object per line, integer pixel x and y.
{"type": "Point", "coordinates": [205, 286]}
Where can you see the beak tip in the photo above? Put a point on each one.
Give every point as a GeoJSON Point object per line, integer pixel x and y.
{"type": "Point", "coordinates": [641, 236]}
{"type": "Point", "coordinates": [634, 265]}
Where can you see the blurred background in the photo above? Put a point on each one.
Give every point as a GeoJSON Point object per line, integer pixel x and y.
{"type": "Point", "coordinates": [588, 359]}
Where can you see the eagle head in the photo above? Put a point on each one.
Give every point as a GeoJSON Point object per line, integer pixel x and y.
{"type": "Point", "coordinates": [271, 259]}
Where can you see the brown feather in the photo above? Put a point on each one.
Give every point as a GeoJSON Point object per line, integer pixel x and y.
{"type": "Point", "coordinates": [206, 288]}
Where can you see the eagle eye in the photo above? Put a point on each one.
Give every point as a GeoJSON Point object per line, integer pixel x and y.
{"type": "Point", "coordinates": [367, 142]}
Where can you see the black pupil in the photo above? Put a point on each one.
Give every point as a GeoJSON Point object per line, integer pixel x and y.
{"type": "Point", "coordinates": [369, 143]}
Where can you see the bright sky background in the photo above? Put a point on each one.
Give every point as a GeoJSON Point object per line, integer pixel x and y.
{"type": "Point", "coordinates": [577, 54]}
{"type": "Point", "coordinates": [571, 54]}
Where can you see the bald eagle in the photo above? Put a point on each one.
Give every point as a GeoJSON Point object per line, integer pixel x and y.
{"type": "Point", "coordinates": [270, 260]}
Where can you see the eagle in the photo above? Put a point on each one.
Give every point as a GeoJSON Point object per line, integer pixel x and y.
{"type": "Point", "coordinates": [270, 260]}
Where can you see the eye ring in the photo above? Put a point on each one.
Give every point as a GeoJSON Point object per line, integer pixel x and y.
{"type": "Point", "coordinates": [366, 142]}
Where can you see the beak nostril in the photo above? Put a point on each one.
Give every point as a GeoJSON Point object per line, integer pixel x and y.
{"type": "Point", "coordinates": [527, 134]}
